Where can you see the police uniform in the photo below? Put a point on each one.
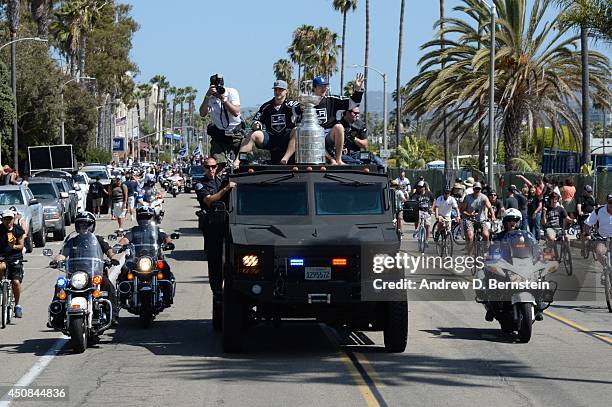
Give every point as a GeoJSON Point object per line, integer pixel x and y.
{"type": "Point", "coordinates": [277, 122]}
{"type": "Point", "coordinates": [213, 238]}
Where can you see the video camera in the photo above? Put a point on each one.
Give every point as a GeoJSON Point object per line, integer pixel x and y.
{"type": "Point", "coordinates": [217, 81]}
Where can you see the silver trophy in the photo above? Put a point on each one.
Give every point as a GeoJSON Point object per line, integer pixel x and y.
{"type": "Point", "coordinates": [310, 136]}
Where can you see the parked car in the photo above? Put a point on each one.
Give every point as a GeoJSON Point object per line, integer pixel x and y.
{"type": "Point", "coordinates": [52, 201]}
{"type": "Point", "coordinates": [73, 188]}
{"type": "Point", "coordinates": [193, 174]}
{"type": "Point", "coordinates": [82, 180]}
{"type": "Point", "coordinates": [72, 200]}
{"type": "Point", "coordinates": [20, 197]}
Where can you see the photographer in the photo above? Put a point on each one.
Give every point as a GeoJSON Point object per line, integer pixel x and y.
{"type": "Point", "coordinates": [226, 131]}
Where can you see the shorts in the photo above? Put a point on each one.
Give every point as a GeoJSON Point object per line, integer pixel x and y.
{"type": "Point", "coordinates": [221, 145]}
{"type": "Point", "coordinates": [426, 217]}
{"type": "Point", "coordinates": [468, 225]}
{"type": "Point", "coordinates": [96, 203]}
{"type": "Point", "coordinates": [277, 144]}
{"type": "Point", "coordinates": [14, 271]}
{"type": "Point", "coordinates": [131, 201]}
{"type": "Point", "coordinates": [553, 233]}
{"type": "Point", "coordinates": [118, 210]}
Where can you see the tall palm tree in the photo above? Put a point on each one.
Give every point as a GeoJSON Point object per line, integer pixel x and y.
{"type": "Point", "coordinates": [41, 10]}
{"type": "Point", "coordinates": [190, 99]}
{"type": "Point", "coordinates": [344, 6]}
{"type": "Point", "coordinates": [158, 81]}
{"type": "Point", "coordinates": [366, 61]}
{"type": "Point", "coordinates": [172, 92]}
{"type": "Point", "coordinates": [145, 89]}
{"type": "Point", "coordinates": [12, 11]}
{"type": "Point", "coordinates": [325, 58]}
{"type": "Point", "coordinates": [444, 132]}
{"type": "Point", "coordinates": [301, 48]}
{"type": "Point", "coordinates": [398, 92]}
{"type": "Point", "coordinates": [283, 70]}
{"type": "Point", "coordinates": [537, 74]}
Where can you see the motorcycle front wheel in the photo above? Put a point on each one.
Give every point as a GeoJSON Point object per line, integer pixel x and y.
{"type": "Point", "coordinates": [78, 334]}
{"type": "Point", "coordinates": [526, 327]}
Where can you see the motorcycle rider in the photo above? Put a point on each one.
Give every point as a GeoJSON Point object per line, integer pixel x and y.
{"type": "Point", "coordinates": [84, 224]}
{"type": "Point", "coordinates": [144, 218]}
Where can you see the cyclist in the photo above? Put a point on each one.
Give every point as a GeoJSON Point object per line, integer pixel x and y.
{"type": "Point", "coordinates": [553, 218]}
{"type": "Point", "coordinates": [425, 201]}
{"type": "Point", "coordinates": [443, 208]}
{"type": "Point", "coordinates": [584, 206]}
{"type": "Point", "coordinates": [475, 208]}
{"type": "Point", "coordinates": [12, 238]}
{"type": "Point", "coordinates": [602, 216]}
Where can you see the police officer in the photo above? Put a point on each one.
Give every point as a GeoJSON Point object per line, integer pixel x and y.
{"type": "Point", "coordinates": [214, 190]}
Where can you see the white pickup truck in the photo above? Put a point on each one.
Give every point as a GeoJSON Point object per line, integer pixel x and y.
{"type": "Point", "coordinates": [31, 210]}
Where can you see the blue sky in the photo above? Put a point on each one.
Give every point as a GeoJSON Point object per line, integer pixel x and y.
{"type": "Point", "coordinates": [189, 40]}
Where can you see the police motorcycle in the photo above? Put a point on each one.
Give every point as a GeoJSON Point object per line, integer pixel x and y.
{"type": "Point", "coordinates": [80, 309]}
{"type": "Point", "coordinates": [146, 286]}
{"type": "Point", "coordinates": [174, 184]}
{"type": "Point", "coordinates": [515, 291]}
{"type": "Point", "coordinates": [148, 196]}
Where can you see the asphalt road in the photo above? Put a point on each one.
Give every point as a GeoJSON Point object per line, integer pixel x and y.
{"type": "Point", "coordinates": [454, 357]}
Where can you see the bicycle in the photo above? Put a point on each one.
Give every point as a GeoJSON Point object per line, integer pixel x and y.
{"type": "Point", "coordinates": [478, 239]}
{"type": "Point", "coordinates": [457, 233]}
{"type": "Point", "coordinates": [563, 254]}
{"type": "Point", "coordinates": [444, 240]}
{"type": "Point", "coordinates": [7, 299]}
{"type": "Point", "coordinates": [588, 246]}
{"type": "Point", "coordinates": [606, 277]}
{"type": "Point", "coordinates": [421, 232]}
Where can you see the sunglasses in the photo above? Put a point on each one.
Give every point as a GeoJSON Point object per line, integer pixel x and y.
{"type": "Point", "coordinates": [355, 113]}
{"type": "Point", "coordinates": [210, 166]}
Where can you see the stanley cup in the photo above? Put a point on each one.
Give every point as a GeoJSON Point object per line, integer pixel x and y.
{"type": "Point", "coordinates": [310, 137]}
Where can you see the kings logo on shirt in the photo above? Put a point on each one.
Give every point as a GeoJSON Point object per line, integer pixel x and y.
{"type": "Point", "coordinates": [278, 123]}
{"type": "Point", "coordinates": [322, 116]}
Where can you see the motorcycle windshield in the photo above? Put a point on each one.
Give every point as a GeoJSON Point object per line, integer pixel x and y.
{"type": "Point", "coordinates": [83, 253]}
{"type": "Point", "coordinates": [144, 240]}
{"type": "Point", "coordinates": [517, 244]}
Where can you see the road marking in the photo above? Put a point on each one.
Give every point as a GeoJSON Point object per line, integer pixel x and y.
{"type": "Point", "coordinates": [578, 327]}
{"type": "Point", "coordinates": [365, 383]}
{"type": "Point", "coordinates": [37, 369]}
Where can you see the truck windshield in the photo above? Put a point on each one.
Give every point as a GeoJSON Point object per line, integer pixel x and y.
{"type": "Point", "coordinates": [97, 173]}
{"type": "Point", "coordinates": [341, 199]}
{"type": "Point", "coordinates": [43, 191]}
{"type": "Point", "coordinates": [11, 198]}
{"type": "Point", "coordinates": [286, 199]}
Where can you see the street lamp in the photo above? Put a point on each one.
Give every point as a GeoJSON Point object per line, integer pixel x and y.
{"type": "Point", "coordinates": [492, 11]}
{"type": "Point", "coordinates": [385, 113]}
{"type": "Point", "coordinates": [62, 101]}
{"type": "Point", "coordinates": [14, 89]}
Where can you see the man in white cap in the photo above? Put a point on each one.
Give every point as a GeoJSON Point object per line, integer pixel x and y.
{"type": "Point", "coordinates": [272, 125]}
{"type": "Point", "coordinates": [12, 239]}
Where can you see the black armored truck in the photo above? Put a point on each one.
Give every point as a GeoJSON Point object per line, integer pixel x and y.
{"type": "Point", "coordinates": [300, 243]}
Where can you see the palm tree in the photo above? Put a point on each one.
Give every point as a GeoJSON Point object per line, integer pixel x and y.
{"type": "Point", "coordinates": [366, 60]}
{"type": "Point", "coordinates": [12, 11]}
{"type": "Point", "coordinates": [444, 132]}
{"type": "Point", "coordinates": [283, 70]}
{"type": "Point", "coordinates": [415, 152]}
{"type": "Point", "coordinates": [344, 6]}
{"type": "Point", "coordinates": [164, 85]}
{"type": "Point", "coordinates": [190, 99]}
{"type": "Point", "coordinates": [301, 48]}
{"type": "Point", "coordinates": [158, 81]}
{"type": "Point", "coordinates": [537, 71]}
{"type": "Point", "coordinates": [325, 58]}
{"type": "Point", "coordinates": [172, 91]}
{"type": "Point", "coordinates": [145, 89]}
{"type": "Point", "coordinates": [398, 92]}
{"type": "Point", "coordinates": [41, 9]}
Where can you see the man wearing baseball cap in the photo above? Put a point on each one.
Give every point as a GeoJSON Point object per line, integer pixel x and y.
{"type": "Point", "coordinates": [11, 249]}
{"type": "Point", "coordinates": [602, 217]}
{"type": "Point", "coordinates": [272, 125]}
{"type": "Point", "coordinates": [328, 112]}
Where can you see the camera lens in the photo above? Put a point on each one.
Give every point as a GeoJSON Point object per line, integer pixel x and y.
{"type": "Point", "coordinates": [220, 89]}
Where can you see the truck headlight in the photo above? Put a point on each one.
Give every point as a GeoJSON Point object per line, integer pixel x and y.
{"type": "Point", "coordinates": [51, 213]}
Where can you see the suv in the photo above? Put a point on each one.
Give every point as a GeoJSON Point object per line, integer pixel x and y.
{"type": "Point", "coordinates": [54, 211]}
{"type": "Point", "coordinates": [193, 175]}
{"type": "Point", "coordinates": [99, 170]}
{"type": "Point", "coordinates": [300, 243]}
{"type": "Point", "coordinates": [30, 210]}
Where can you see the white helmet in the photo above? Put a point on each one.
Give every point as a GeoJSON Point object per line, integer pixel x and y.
{"type": "Point", "coordinates": [512, 214]}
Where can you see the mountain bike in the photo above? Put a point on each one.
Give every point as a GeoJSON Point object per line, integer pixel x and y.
{"type": "Point", "coordinates": [421, 232]}
{"type": "Point", "coordinates": [7, 299]}
{"type": "Point", "coordinates": [563, 254]}
{"type": "Point", "coordinates": [444, 240]}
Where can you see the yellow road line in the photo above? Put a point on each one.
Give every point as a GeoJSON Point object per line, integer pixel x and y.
{"type": "Point", "coordinates": [367, 366]}
{"type": "Point", "coordinates": [366, 392]}
{"type": "Point", "coordinates": [578, 327]}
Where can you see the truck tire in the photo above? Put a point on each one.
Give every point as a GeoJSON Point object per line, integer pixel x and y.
{"type": "Point", "coordinates": [396, 326]}
{"type": "Point", "coordinates": [40, 238]}
{"type": "Point", "coordinates": [233, 316]}
{"type": "Point", "coordinates": [59, 235]}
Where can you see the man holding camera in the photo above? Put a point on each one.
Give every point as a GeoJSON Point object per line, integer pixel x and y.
{"type": "Point", "coordinates": [272, 125]}
{"type": "Point", "coordinates": [226, 131]}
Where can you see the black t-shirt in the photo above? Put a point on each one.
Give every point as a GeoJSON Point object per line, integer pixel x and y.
{"type": "Point", "coordinates": [532, 204]}
{"type": "Point", "coordinates": [352, 131]}
{"type": "Point", "coordinates": [12, 236]}
{"type": "Point", "coordinates": [424, 201]}
{"type": "Point", "coordinates": [275, 121]}
{"type": "Point", "coordinates": [522, 202]}
{"type": "Point", "coordinates": [587, 203]}
{"type": "Point", "coordinates": [512, 202]}
{"type": "Point", "coordinates": [329, 106]}
{"type": "Point", "coordinates": [95, 189]}
{"type": "Point", "coordinates": [555, 216]}
{"type": "Point", "coordinates": [498, 206]}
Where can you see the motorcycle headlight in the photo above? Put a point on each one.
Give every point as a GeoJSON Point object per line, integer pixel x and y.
{"type": "Point", "coordinates": [144, 264]}
{"type": "Point", "coordinates": [79, 280]}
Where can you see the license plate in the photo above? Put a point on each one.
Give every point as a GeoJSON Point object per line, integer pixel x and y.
{"type": "Point", "coordinates": [317, 273]}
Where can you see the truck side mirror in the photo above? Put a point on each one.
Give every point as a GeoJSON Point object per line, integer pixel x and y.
{"type": "Point", "coordinates": [64, 195]}
{"type": "Point", "coordinates": [33, 201]}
